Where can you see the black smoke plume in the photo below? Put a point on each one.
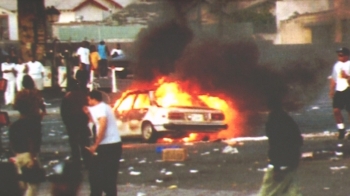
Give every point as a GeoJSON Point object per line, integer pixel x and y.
{"type": "Point", "coordinates": [234, 69]}
{"type": "Point", "coordinates": [159, 48]}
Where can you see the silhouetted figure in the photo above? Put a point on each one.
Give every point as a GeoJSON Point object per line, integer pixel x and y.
{"type": "Point", "coordinates": [284, 153]}
{"type": "Point", "coordinates": [76, 123]}
{"type": "Point", "coordinates": [9, 180]}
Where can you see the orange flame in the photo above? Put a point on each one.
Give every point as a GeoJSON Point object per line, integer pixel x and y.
{"type": "Point", "coordinates": [173, 93]}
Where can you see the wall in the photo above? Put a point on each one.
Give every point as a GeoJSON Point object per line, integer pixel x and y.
{"type": "Point", "coordinates": [90, 13]}
{"type": "Point", "coordinates": [79, 32]}
{"type": "Point", "coordinates": [292, 32]}
{"type": "Point", "coordinates": [12, 23]}
{"type": "Point", "coordinates": [287, 8]}
{"type": "Point", "coordinates": [66, 17]}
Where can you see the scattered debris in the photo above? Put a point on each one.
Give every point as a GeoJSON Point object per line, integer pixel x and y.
{"type": "Point", "coordinates": [230, 150]}
{"type": "Point", "coordinates": [159, 181]}
{"type": "Point", "coordinates": [193, 171]}
{"type": "Point", "coordinates": [135, 173]}
{"type": "Point", "coordinates": [174, 154]}
{"type": "Point", "coordinates": [172, 187]}
{"type": "Point", "coordinates": [338, 168]}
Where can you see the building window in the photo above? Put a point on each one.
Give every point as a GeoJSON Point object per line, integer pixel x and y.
{"type": "Point", "coordinates": [4, 28]}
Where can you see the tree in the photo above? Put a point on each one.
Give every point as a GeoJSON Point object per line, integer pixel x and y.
{"type": "Point", "coordinates": [32, 28]}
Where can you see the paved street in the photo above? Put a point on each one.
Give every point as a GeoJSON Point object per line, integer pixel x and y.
{"type": "Point", "coordinates": [230, 167]}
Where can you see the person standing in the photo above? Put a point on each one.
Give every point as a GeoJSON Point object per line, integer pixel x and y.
{"type": "Point", "coordinates": [117, 52]}
{"type": "Point", "coordinates": [84, 61]}
{"type": "Point", "coordinates": [94, 58]}
{"type": "Point", "coordinates": [8, 70]}
{"type": "Point", "coordinates": [107, 148]}
{"type": "Point", "coordinates": [339, 89]}
{"type": "Point", "coordinates": [81, 78]}
{"type": "Point", "coordinates": [76, 122]}
{"type": "Point", "coordinates": [29, 101]}
{"type": "Point", "coordinates": [21, 70]}
{"type": "Point", "coordinates": [36, 71]}
{"type": "Point", "coordinates": [103, 51]}
{"type": "Point", "coordinates": [284, 153]}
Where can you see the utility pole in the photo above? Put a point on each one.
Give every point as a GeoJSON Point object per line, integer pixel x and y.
{"type": "Point", "coordinates": [32, 28]}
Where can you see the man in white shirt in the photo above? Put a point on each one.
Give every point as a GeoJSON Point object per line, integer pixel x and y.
{"type": "Point", "coordinates": [107, 148]}
{"type": "Point", "coordinates": [339, 88]}
{"type": "Point", "coordinates": [8, 73]}
{"type": "Point", "coordinates": [36, 70]}
{"type": "Point", "coordinates": [84, 53]}
{"type": "Point", "coordinates": [117, 52]}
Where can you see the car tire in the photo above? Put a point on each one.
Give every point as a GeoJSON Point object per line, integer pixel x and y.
{"type": "Point", "coordinates": [149, 134]}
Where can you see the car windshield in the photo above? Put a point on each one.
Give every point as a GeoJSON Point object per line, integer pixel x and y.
{"type": "Point", "coordinates": [183, 100]}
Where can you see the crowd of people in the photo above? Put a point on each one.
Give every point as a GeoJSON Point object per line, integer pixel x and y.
{"type": "Point", "coordinates": [99, 147]}
{"type": "Point", "coordinates": [14, 69]}
{"type": "Point", "coordinates": [93, 61]}
{"type": "Point", "coordinates": [101, 154]}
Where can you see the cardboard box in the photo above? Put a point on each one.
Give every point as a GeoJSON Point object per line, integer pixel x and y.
{"type": "Point", "coordinates": [174, 154]}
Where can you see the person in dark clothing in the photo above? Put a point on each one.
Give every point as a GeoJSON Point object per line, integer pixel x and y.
{"type": "Point", "coordinates": [76, 122]}
{"type": "Point", "coordinates": [9, 179]}
{"type": "Point", "coordinates": [284, 153]}
{"type": "Point", "coordinates": [82, 78]}
{"type": "Point", "coordinates": [25, 142]}
{"type": "Point", "coordinates": [29, 101]}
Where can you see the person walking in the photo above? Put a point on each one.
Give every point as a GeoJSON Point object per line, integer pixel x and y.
{"type": "Point", "coordinates": [76, 123]}
{"type": "Point", "coordinates": [25, 142]}
{"type": "Point", "coordinates": [8, 70]}
{"type": "Point", "coordinates": [25, 133]}
{"type": "Point", "coordinates": [339, 89]}
{"type": "Point", "coordinates": [284, 153]}
{"type": "Point", "coordinates": [21, 69]}
{"type": "Point", "coordinates": [103, 51]}
{"type": "Point", "coordinates": [36, 71]}
{"type": "Point", "coordinates": [107, 148]}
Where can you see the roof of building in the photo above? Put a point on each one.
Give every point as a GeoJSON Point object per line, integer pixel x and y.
{"type": "Point", "coordinates": [60, 4]}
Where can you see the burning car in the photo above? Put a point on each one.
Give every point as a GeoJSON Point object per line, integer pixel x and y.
{"type": "Point", "coordinates": [146, 114]}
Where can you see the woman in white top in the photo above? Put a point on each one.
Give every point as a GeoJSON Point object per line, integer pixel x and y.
{"type": "Point", "coordinates": [21, 70]}
{"type": "Point", "coordinates": [8, 70]}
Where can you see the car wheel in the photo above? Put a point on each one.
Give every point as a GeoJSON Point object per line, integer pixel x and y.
{"type": "Point", "coordinates": [149, 134]}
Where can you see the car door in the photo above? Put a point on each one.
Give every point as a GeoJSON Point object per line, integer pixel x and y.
{"type": "Point", "coordinates": [122, 114]}
{"type": "Point", "coordinates": [137, 113]}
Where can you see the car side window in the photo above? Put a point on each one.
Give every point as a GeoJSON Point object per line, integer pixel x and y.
{"type": "Point", "coordinates": [142, 101]}
{"type": "Point", "coordinates": [127, 103]}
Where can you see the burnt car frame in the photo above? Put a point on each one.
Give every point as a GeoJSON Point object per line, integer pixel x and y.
{"type": "Point", "coordinates": [139, 115]}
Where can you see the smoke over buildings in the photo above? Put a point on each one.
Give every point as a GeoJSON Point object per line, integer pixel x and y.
{"type": "Point", "coordinates": [231, 68]}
